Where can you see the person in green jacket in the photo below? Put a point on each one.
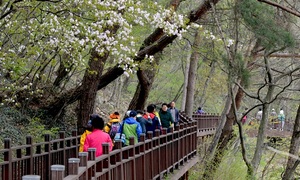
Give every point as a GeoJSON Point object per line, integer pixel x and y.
{"type": "Point", "coordinates": [166, 117]}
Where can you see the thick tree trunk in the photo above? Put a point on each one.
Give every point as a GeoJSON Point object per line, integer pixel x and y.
{"type": "Point", "coordinates": [90, 87]}
{"type": "Point", "coordinates": [294, 149]}
{"type": "Point", "coordinates": [189, 106]}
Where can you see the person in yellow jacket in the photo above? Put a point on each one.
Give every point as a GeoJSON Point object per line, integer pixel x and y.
{"type": "Point", "coordinates": [87, 131]}
{"type": "Point", "coordinates": [114, 117]}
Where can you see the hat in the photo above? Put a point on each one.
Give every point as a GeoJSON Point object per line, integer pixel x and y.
{"type": "Point", "coordinates": [128, 113]}
{"type": "Point", "coordinates": [132, 113]}
{"type": "Point", "coordinates": [114, 115]}
{"type": "Point", "coordinates": [273, 109]}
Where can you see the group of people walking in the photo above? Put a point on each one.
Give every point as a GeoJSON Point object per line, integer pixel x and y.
{"type": "Point", "coordinates": [133, 125]}
{"type": "Point", "coordinates": [276, 121]}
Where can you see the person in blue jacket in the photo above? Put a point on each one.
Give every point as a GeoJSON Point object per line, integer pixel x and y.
{"type": "Point", "coordinates": [131, 128]}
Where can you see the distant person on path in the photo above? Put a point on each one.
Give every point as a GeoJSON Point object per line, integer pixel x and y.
{"type": "Point", "coordinates": [97, 137]}
{"type": "Point", "coordinates": [174, 112]}
{"type": "Point", "coordinates": [166, 117]}
{"type": "Point", "coordinates": [244, 119]}
{"type": "Point", "coordinates": [88, 130]}
{"type": "Point", "coordinates": [155, 121]}
{"type": "Point", "coordinates": [281, 118]}
{"type": "Point", "coordinates": [131, 128]}
{"type": "Point", "coordinates": [259, 115]}
{"type": "Point", "coordinates": [200, 111]}
{"type": "Point", "coordinates": [143, 121]}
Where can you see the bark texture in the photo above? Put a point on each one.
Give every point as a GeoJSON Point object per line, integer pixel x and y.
{"type": "Point", "coordinates": [189, 106]}
{"type": "Point", "coordinates": [292, 163]}
{"type": "Point", "coordinates": [89, 87]}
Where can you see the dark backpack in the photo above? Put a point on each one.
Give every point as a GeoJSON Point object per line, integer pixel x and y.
{"type": "Point", "coordinates": [114, 129]}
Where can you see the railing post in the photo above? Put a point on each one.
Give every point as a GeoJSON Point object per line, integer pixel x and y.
{"type": "Point", "coordinates": [62, 146]}
{"type": "Point", "coordinates": [31, 177]}
{"type": "Point", "coordinates": [29, 152]}
{"type": "Point", "coordinates": [131, 142]}
{"type": "Point", "coordinates": [73, 166]}
{"type": "Point", "coordinates": [149, 146]}
{"type": "Point", "coordinates": [132, 154]}
{"type": "Point", "coordinates": [83, 157]}
{"type": "Point", "coordinates": [92, 157]}
{"type": "Point", "coordinates": [157, 132]}
{"type": "Point", "coordinates": [163, 152]}
{"type": "Point", "coordinates": [142, 149]}
{"type": "Point", "coordinates": [7, 171]}
{"type": "Point", "coordinates": [92, 154]}
{"type": "Point", "coordinates": [118, 158]}
{"type": "Point", "coordinates": [75, 142]}
{"type": "Point", "coordinates": [48, 156]}
{"type": "Point", "coordinates": [149, 135]}
{"type": "Point", "coordinates": [105, 150]}
{"type": "Point", "coordinates": [172, 154]}
{"type": "Point", "coordinates": [164, 131]}
{"type": "Point", "coordinates": [58, 172]}
{"type": "Point", "coordinates": [142, 139]}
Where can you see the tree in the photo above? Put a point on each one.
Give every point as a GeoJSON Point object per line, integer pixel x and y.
{"type": "Point", "coordinates": [268, 38]}
{"type": "Point", "coordinates": [70, 41]}
{"type": "Point", "coordinates": [294, 149]}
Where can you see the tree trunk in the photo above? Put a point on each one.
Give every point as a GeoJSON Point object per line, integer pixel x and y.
{"type": "Point", "coordinates": [146, 79]}
{"type": "Point", "coordinates": [186, 76]}
{"type": "Point", "coordinates": [223, 135]}
{"type": "Point", "coordinates": [90, 88]}
{"type": "Point", "coordinates": [263, 123]}
{"type": "Point", "coordinates": [189, 108]}
{"type": "Point", "coordinates": [294, 149]}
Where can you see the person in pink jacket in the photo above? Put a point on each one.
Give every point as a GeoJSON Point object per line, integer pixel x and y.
{"type": "Point", "coordinates": [97, 137]}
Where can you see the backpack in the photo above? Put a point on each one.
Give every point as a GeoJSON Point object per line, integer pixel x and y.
{"type": "Point", "coordinates": [114, 129]}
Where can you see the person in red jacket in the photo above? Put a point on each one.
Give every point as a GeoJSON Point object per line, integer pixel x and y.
{"type": "Point", "coordinates": [97, 137]}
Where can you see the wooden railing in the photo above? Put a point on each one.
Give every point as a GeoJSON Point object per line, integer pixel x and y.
{"type": "Point", "coordinates": [37, 158]}
{"type": "Point", "coordinates": [151, 158]}
{"type": "Point", "coordinates": [207, 123]}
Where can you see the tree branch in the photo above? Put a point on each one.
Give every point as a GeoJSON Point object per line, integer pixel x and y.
{"type": "Point", "coordinates": [281, 7]}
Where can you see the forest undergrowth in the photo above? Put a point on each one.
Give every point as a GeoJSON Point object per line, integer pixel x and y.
{"type": "Point", "coordinates": [232, 166]}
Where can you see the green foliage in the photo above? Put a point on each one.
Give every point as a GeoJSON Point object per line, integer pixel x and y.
{"type": "Point", "coordinates": [238, 69]}
{"type": "Point", "coordinates": [232, 167]}
{"type": "Point", "coordinates": [16, 125]}
{"type": "Point", "coordinates": [37, 129]}
{"type": "Point", "coordinates": [11, 122]}
{"type": "Point", "coordinates": [259, 17]}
